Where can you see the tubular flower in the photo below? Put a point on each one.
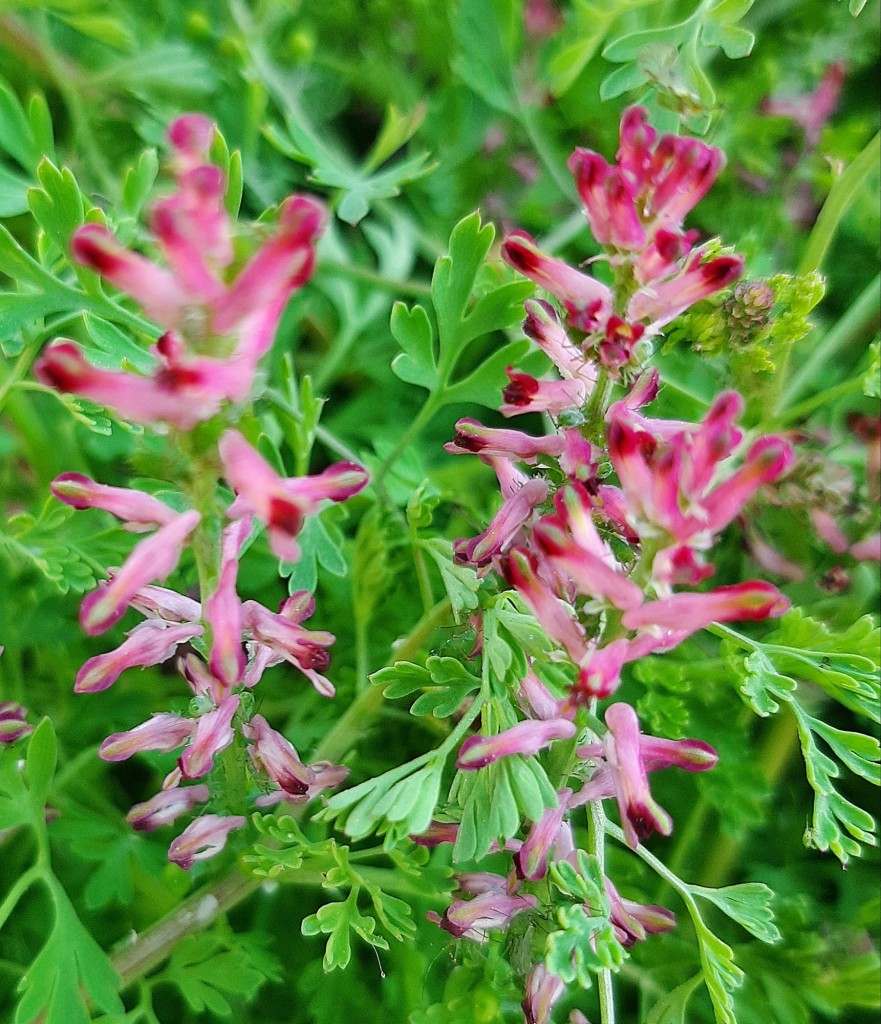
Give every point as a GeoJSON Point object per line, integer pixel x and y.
{"type": "Point", "coordinates": [13, 724]}
{"type": "Point", "coordinates": [191, 298]}
{"type": "Point", "coordinates": [213, 733]}
{"type": "Point", "coordinates": [139, 511]}
{"type": "Point", "coordinates": [151, 559]}
{"type": "Point", "coordinates": [202, 839]}
{"type": "Point", "coordinates": [525, 738]}
{"type": "Point", "coordinates": [282, 504]}
{"type": "Point", "coordinates": [150, 643]}
{"type": "Point", "coordinates": [166, 807]}
{"type": "Point", "coordinates": [626, 757]}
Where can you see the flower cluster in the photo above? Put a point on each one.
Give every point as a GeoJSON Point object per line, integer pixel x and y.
{"type": "Point", "coordinates": [635, 209]}
{"type": "Point", "coordinates": [606, 522]}
{"type": "Point", "coordinates": [215, 332]}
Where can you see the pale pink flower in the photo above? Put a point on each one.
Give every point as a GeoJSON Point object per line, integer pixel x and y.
{"type": "Point", "coordinates": [203, 838]}
{"type": "Point", "coordinates": [13, 725]}
{"type": "Point", "coordinates": [526, 393]}
{"type": "Point", "coordinates": [166, 807]}
{"type": "Point", "coordinates": [525, 738]}
{"type": "Point", "coordinates": [504, 527]}
{"type": "Point", "coordinates": [281, 632]}
{"type": "Point", "coordinates": [543, 991]}
{"type": "Point", "coordinates": [488, 911]}
{"type": "Point", "coordinates": [139, 511]}
{"type": "Point", "coordinates": [633, 922]}
{"type": "Point", "coordinates": [162, 733]}
{"type": "Point", "coordinates": [475, 439]}
{"type": "Point", "coordinates": [276, 756]}
{"type": "Point", "coordinates": [754, 600]}
{"type": "Point", "coordinates": [868, 549]}
{"type": "Point", "coordinates": [212, 735]}
{"type": "Point", "coordinates": [149, 643]}
{"type": "Point", "coordinates": [626, 757]}
{"type": "Point", "coordinates": [152, 559]}
{"type": "Point", "coordinates": [223, 609]}
{"type": "Point", "coordinates": [811, 110]}
{"type": "Point", "coordinates": [531, 860]}
{"type": "Point", "coordinates": [282, 503]}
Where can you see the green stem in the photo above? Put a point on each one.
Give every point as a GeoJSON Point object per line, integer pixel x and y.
{"type": "Point", "coordinates": [527, 117]}
{"type": "Point", "coordinates": [410, 434]}
{"type": "Point", "coordinates": [416, 289]}
{"type": "Point", "coordinates": [23, 883]}
{"type": "Point", "coordinates": [846, 188]}
{"type": "Point", "coordinates": [804, 409]}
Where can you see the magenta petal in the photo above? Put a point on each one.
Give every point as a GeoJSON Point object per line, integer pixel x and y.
{"type": "Point", "coordinates": [150, 643]}
{"type": "Point", "coordinates": [202, 839]}
{"type": "Point", "coordinates": [151, 559]}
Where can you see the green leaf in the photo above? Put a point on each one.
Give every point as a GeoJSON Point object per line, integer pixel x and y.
{"type": "Point", "coordinates": [671, 1009]}
{"type": "Point", "coordinates": [749, 904]}
{"type": "Point", "coordinates": [337, 920]}
{"type": "Point", "coordinates": [16, 137]}
{"type": "Point", "coordinates": [735, 41]}
{"type": "Point", "coordinates": [460, 581]}
{"type": "Point", "coordinates": [40, 763]}
{"type": "Point", "coordinates": [721, 974]}
{"type": "Point", "coordinates": [138, 182]}
{"type": "Point", "coordinates": [208, 968]}
{"type": "Point", "coordinates": [431, 361]}
{"type": "Point", "coordinates": [57, 205]}
{"type": "Point", "coordinates": [487, 44]}
{"type": "Point", "coordinates": [321, 543]}
{"type": "Point", "coordinates": [631, 46]}
{"type": "Point", "coordinates": [70, 965]}
{"type": "Point", "coordinates": [115, 348]}
{"type": "Point", "coordinates": [583, 946]}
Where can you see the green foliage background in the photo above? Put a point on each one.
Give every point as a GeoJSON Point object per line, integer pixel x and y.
{"type": "Point", "coordinates": [408, 116]}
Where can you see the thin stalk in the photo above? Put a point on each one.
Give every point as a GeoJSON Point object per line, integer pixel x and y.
{"type": "Point", "coordinates": [527, 117]}
{"type": "Point", "coordinates": [843, 192]}
{"type": "Point", "coordinates": [406, 439]}
{"type": "Point", "coordinates": [804, 409]}
{"type": "Point", "coordinates": [596, 846]}
{"type": "Point", "coordinates": [415, 289]}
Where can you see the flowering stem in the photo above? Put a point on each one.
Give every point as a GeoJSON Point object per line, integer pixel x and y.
{"type": "Point", "coordinates": [151, 947]}
{"type": "Point", "coordinates": [596, 846]}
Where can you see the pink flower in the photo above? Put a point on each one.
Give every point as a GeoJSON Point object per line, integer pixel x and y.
{"type": "Point", "coordinates": [213, 734]}
{"type": "Point", "coordinates": [525, 738]}
{"type": "Point", "coordinates": [505, 526]}
{"type": "Point", "coordinates": [325, 775]}
{"type": "Point", "coordinates": [305, 649]}
{"type": "Point", "coordinates": [162, 733]}
{"type": "Point", "coordinates": [587, 301]}
{"type": "Point", "coordinates": [150, 643]}
{"type": "Point", "coordinates": [166, 807]}
{"type": "Point", "coordinates": [813, 109]}
{"type": "Point", "coordinates": [754, 600]}
{"type": "Point", "coordinates": [543, 991]}
{"type": "Point", "coordinates": [282, 504]}
{"type": "Point", "coordinates": [138, 510]}
{"type": "Point", "coordinates": [488, 911]}
{"type": "Point", "coordinates": [661, 303]}
{"type": "Point", "coordinates": [474, 438]}
{"type": "Point", "coordinates": [13, 725]}
{"type": "Point", "coordinates": [531, 860]}
{"type": "Point", "coordinates": [272, 754]}
{"type": "Point", "coordinates": [544, 328]}
{"type": "Point", "coordinates": [521, 569]}
{"type": "Point", "coordinates": [223, 609]}
{"type": "Point", "coordinates": [151, 559]}
{"type": "Point", "coordinates": [627, 758]}
{"type": "Point", "coordinates": [526, 394]}
{"type": "Point", "coordinates": [634, 921]}
{"type": "Point", "coordinates": [202, 839]}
